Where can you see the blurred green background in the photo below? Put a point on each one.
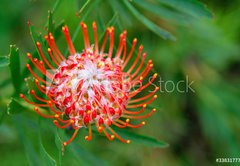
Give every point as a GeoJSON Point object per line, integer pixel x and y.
{"type": "Point", "coordinates": [199, 125]}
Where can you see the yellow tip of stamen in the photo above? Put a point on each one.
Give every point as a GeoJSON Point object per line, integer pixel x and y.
{"type": "Point", "coordinates": [157, 88]}
{"type": "Point", "coordinates": [110, 30]}
{"type": "Point", "coordinates": [155, 75]}
{"type": "Point", "coordinates": [112, 136]}
{"type": "Point", "coordinates": [151, 65]}
{"type": "Point", "coordinates": [64, 143]}
{"type": "Point", "coordinates": [127, 120]}
{"type": "Point", "coordinates": [155, 96]}
{"type": "Point", "coordinates": [38, 43]}
{"type": "Point", "coordinates": [135, 40]}
{"type": "Point", "coordinates": [143, 123]}
{"type": "Point", "coordinates": [49, 49]}
{"type": "Point", "coordinates": [83, 25]}
{"type": "Point", "coordinates": [100, 128]}
{"type": "Point", "coordinates": [88, 112]}
{"type": "Point", "coordinates": [154, 109]}
{"type": "Point", "coordinates": [55, 121]}
{"type": "Point", "coordinates": [141, 78]}
{"type": "Point", "coordinates": [128, 141]}
{"type": "Point", "coordinates": [86, 137]}
{"type": "Point", "coordinates": [144, 105]}
{"type": "Point", "coordinates": [71, 121]}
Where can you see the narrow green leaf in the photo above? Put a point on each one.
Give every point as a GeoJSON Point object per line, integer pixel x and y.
{"type": "Point", "coordinates": [14, 65]}
{"type": "Point", "coordinates": [55, 6]}
{"type": "Point", "coordinates": [49, 161]}
{"type": "Point", "coordinates": [153, 27]}
{"type": "Point", "coordinates": [117, 7]}
{"type": "Point", "coordinates": [50, 21]}
{"type": "Point", "coordinates": [145, 140]}
{"type": "Point", "coordinates": [191, 7]}
{"type": "Point", "coordinates": [111, 22]}
{"type": "Point", "coordinates": [164, 13]}
{"type": "Point", "coordinates": [83, 15]}
{"type": "Point", "coordinates": [4, 61]}
{"type": "Point", "coordinates": [58, 30]}
{"type": "Point", "coordinates": [83, 7]}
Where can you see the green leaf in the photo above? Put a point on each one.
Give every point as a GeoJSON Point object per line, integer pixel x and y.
{"type": "Point", "coordinates": [14, 65]}
{"type": "Point", "coordinates": [35, 38]}
{"type": "Point", "coordinates": [32, 156]}
{"type": "Point", "coordinates": [58, 30]}
{"type": "Point", "coordinates": [50, 22]}
{"type": "Point", "coordinates": [88, 157]}
{"type": "Point", "coordinates": [145, 140]}
{"type": "Point", "coordinates": [148, 23]}
{"type": "Point", "coordinates": [4, 61]}
{"type": "Point", "coordinates": [49, 161]}
{"type": "Point", "coordinates": [59, 145]}
{"type": "Point", "coordinates": [83, 15]}
{"type": "Point", "coordinates": [164, 13]}
{"type": "Point", "coordinates": [55, 6]}
{"type": "Point", "coordinates": [83, 7]}
{"type": "Point", "coordinates": [191, 7]}
{"type": "Point", "coordinates": [14, 107]}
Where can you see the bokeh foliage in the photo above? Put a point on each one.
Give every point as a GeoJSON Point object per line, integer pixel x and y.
{"type": "Point", "coordinates": [186, 42]}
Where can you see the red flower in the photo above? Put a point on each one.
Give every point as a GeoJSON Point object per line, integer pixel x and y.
{"type": "Point", "coordinates": [92, 87]}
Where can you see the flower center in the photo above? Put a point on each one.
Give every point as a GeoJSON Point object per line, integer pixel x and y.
{"type": "Point", "coordinates": [90, 88]}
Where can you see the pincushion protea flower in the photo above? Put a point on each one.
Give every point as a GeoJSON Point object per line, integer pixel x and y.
{"type": "Point", "coordinates": [92, 87]}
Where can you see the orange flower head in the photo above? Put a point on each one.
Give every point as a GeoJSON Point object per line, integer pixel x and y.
{"type": "Point", "coordinates": [92, 87]}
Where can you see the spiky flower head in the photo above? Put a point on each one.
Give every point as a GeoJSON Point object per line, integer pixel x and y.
{"type": "Point", "coordinates": [94, 87]}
